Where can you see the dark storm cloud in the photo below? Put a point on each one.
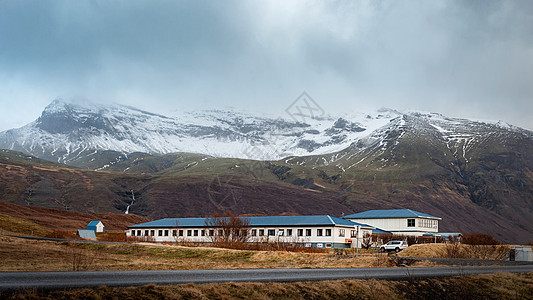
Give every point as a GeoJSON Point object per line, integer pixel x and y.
{"type": "Point", "coordinates": [463, 58]}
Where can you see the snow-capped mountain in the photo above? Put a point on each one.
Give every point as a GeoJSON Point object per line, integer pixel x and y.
{"type": "Point", "coordinates": [68, 132]}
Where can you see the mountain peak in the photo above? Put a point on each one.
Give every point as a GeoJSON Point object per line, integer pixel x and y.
{"type": "Point", "coordinates": [65, 116]}
{"type": "Point", "coordinates": [62, 103]}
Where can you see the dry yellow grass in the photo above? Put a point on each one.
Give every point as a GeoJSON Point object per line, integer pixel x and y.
{"type": "Point", "coordinates": [29, 255]}
{"type": "Point", "coordinates": [495, 252]}
{"type": "Point", "coordinates": [423, 250]}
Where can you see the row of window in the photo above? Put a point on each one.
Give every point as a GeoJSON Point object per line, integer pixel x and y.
{"type": "Point", "coordinates": [253, 232]}
{"type": "Point", "coordinates": [425, 223]}
{"type": "Point", "coordinates": [166, 232]}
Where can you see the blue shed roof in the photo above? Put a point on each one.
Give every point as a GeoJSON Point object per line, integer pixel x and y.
{"type": "Point", "coordinates": [268, 221]}
{"type": "Point", "coordinates": [87, 234]}
{"type": "Point", "coordinates": [93, 223]}
{"type": "Point", "coordinates": [390, 213]}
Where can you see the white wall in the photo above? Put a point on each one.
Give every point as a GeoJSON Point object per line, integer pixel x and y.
{"type": "Point", "coordinates": [399, 225]}
{"type": "Point", "coordinates": [100, 227]}
{"type": "Point", "coordinates": [201, 235]}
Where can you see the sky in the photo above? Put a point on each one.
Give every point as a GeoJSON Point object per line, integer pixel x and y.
{"type": "Point", "coordinates": [471, 59]}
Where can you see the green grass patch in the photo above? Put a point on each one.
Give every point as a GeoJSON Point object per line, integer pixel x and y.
{"type": "Point", "coordinates": [12, 225]}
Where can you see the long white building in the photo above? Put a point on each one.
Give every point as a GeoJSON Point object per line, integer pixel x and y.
{"type": "Point", "coordinates": [317, 231]}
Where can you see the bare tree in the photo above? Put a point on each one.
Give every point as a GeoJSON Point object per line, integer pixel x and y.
{"type": "Point", "coordinates": [366, 242]}
{"type": "Point", "coordinates": [227, 229]}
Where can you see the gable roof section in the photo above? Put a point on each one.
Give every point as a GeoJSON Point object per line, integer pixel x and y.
{"type": "Point", "coordinates": [94, 223]}
{"type": "Point", "coordinates": [267, 221]}
{"type": "Point", "coordinates": [390, 214]}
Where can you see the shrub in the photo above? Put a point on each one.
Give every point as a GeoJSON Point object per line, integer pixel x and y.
{"type": "Point", "coordinates": [59, 234]}
{"type": "Point", "coordinates": [479, 239]}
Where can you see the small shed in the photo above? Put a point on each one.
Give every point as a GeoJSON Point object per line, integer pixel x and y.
{"type": "Point", "coordinates": [520, 254]}
{"type": "Point", "coordinates": [96, 226]}
{"type": "Point", "coordinates": [87, 234]}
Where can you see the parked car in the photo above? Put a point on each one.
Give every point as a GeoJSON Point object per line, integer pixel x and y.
{"type": "Point", "coordinates": [396, 246]}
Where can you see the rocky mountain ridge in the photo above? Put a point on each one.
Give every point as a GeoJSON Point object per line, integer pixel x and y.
{"type": "Point", "coordinates": [74, 133]}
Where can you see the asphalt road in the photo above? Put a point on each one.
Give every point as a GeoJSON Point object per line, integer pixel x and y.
{"type": "Point", "coordinates": [56, 280]}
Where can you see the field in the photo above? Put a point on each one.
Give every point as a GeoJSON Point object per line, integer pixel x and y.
{"type": "Point", "coordinates": [29, 255]}
{"type": "Point", "coordinates": [493, 286]}
{"type": "Point", "coordinates": [33, 255]}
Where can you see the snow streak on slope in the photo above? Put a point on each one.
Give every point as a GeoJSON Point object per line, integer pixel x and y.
{"type": "Point", "coordinates": [446, 140]}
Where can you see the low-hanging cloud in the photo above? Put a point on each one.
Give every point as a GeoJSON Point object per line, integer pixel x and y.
{"type": "Point", "coordinates": [462, 58]}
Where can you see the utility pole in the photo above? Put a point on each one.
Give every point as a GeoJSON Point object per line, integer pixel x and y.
{"type": "Point", "coordinates": [357, 243]}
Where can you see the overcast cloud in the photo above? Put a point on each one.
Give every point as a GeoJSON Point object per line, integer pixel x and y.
{"type": "Point", "coordinates": [460, 58]}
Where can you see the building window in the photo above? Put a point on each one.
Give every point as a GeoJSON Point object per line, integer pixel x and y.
{"type": "Point", "coordinates": [166, 232]}
{"type": "Point", "coordinates": [196, 232]}
{"type": "Point", "coordinates": [211, 232]}
{"type": "Point", "coordinates": [180, 232]}
{"type": "Point", "coordinates": [281, 232]}
{"type": "Point", "coordinates": [203, 233]}
{"type": "Point", "coordinates": [328, 232]}
{"type": "Point", "coordinates": [133, 233]}
{"type": "Point", "coordinates": [272, 232]}
{"type": "Point", "coordinates": [138, 232]}
{"type": "Point", "coordinates": [261, 232]}
{"type": "Point", "coordinates": [189, 232]}
{"type": "Point", "coordinates": [354, 233]}
{"type": "Point", "coordinates": [319, 232]}
{"type": "Point", "coordinates": [300, 232]}
{"type": "Point", "coordinates": [174, 232]}
{"type": "Point", "coordinates": [308, 232]}
{"type": "Point", "coordinates": [152, 232]}
{"type": "Point", "coordinates": [254, 232]}
{"type": "Point", "coordinates": [146, 232]}
{"type": "Point", "coordinates": [410, 222]}
{"type": "Point", "coordinates": [160, 232]}
{"type": "Point", "coordinates": [341, 232]}
{"type": "Point", "coordinates": [289, 232]}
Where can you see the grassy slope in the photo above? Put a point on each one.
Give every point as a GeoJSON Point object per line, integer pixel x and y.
{"type": "Point", "coordinates": [42, 221]}
{"type": "Point", "coordinates": [14, 225]}
{"type": "Point", "coordinates": [492, 286]}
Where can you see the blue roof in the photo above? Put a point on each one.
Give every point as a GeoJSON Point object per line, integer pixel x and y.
{"type": "Point", "coordinates": [93, 223]}
{"type": "Point", "coordinates": [268, 221]}
{"type": "Point", "coordinates": [389, 213]}
{"type": "Point", "coordinates": [377, 230]}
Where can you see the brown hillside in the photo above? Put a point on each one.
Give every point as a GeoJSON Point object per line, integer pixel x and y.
{"type": "Point", "coordinates": [277, 187]}
{"type": "Point", "coordinates": [57, 219]}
